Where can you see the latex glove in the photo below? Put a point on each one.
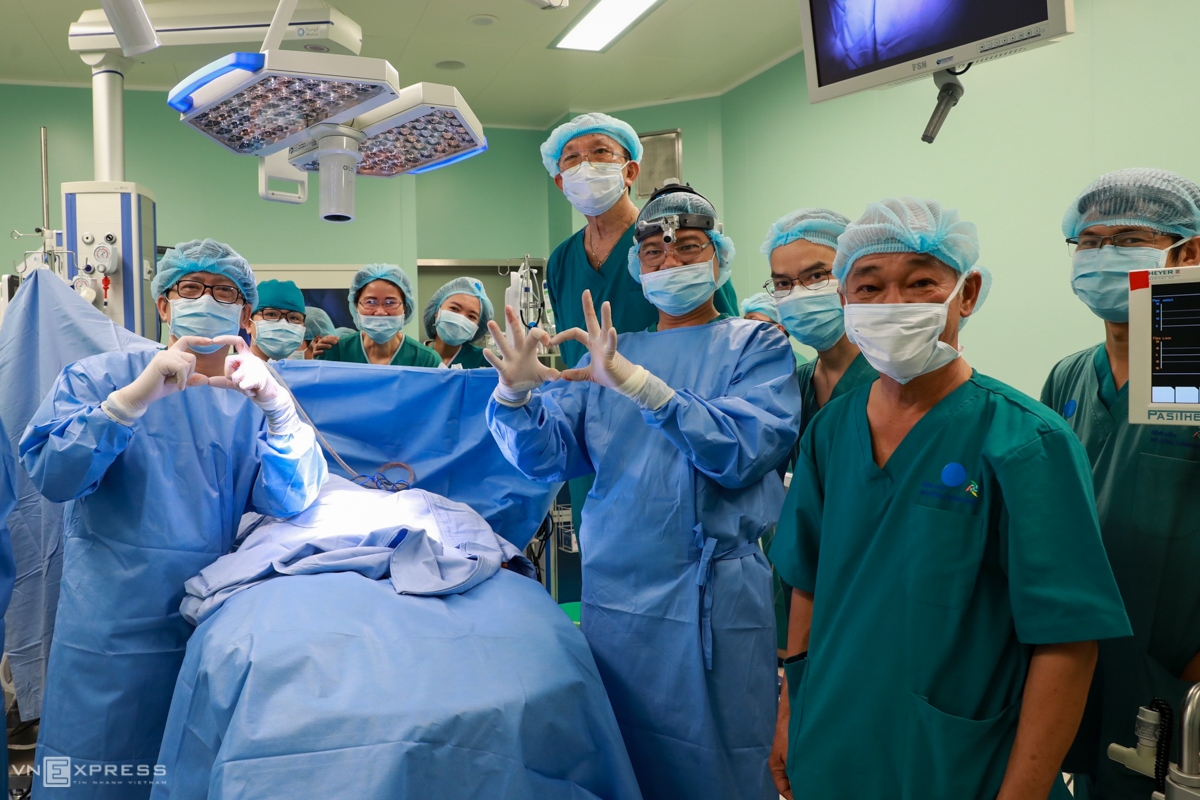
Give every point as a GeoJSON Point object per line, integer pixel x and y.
{"type": "Point", "coordinates": [517, 364]}
{"type": "Point", "coordinates": [171, 370]}
{"type": "Point", "coordinates": [607, 367]}
{"type": "Point", "coordinates": [320, 345]}
{"type": "Point", "coordinates": [248, 374]}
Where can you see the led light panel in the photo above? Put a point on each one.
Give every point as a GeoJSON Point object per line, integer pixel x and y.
{"type": "Point", "coordinates": [257, 104]}
{"type": "Point", "coordinates": [427, 127]}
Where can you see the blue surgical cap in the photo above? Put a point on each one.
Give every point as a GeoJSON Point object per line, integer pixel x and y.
{"type": "Point", "coordinates": [912, 225]}
{"type": "Point", "coordinates": [582, 125]}
{"type": "Point", "coordinates": [382, 272]}
{"type": "Point", "coordinates": [763, 303]}
{"type": "Point", "coordinates": [284, 295]}
{"type": "Point", "coordinates": [204, 256]}
{"type": "Point", "coordinates": [1150, 198]}
{"type": "Point", "coordinates": [458, 286]}
{"type": "Point", "coordinates": [685, 203]}
{"type": "Point", "coordinates": [817, 225]}
{"type": "Point", "coordinates": [316, 323]}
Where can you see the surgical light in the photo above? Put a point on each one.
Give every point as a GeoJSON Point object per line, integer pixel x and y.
{"type": "Point", "coordinates": [603, 23]}
{"type": "Point", "coordinates": [260, 103]}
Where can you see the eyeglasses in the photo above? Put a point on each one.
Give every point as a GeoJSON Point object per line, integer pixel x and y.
{"type": "Point", "coordinates": [781, 287]}
{"type": "Point", "coordinates": [194, 290]}
{"type": "Point", "coordinates": [597, 155]}
{"type": "Point", "coordinates": [1142, 238]}
{"type": "Point", "coordinates": [274, 315]}
{"type": "Point", "coordinates": [656, 255]}
{"type": "Point", "coordinates": [389, 304]}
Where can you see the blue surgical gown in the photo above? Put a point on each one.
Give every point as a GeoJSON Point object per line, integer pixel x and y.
{"type": "Point", "coordinates": [1146, 479]}
{"type": "Point", "coordinates": [153, 504]}
{"type": "Point", "coordinates": [676, 590]}
{"type": "Point", "coordinates": [8, 568]}
{"type": "Point", "coordinates": [934, 577]}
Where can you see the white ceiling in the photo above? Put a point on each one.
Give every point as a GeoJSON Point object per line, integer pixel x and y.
{"type": "Point", "coordinates": [683, 49]}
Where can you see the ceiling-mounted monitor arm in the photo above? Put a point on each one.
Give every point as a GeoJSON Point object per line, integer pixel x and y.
{"type": "Point", "coordinates": [279, 25]}
{"type": "Point", "coordinates": [950, 91]}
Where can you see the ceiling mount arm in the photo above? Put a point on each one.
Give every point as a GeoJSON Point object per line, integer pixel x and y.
{"type": "Point", "coordinates": [279, 25]}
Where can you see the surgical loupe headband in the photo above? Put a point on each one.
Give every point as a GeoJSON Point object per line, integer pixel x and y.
{"type": "Point", "coordinates": [668, 224]}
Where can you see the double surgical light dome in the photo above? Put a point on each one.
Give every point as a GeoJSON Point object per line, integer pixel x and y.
{"type": "Point", "coordinates": [316, 105]}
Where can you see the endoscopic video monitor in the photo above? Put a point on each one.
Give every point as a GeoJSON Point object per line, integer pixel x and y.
{"type": "Point", "coordinates": [851, 45]}
{"type": "Point", "coordinates": [1164, 347]}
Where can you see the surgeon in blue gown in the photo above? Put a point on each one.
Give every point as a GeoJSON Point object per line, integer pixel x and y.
{"type": "Point", "coordinates": [683, 425]}
{"type": "Point", "coordinates": [161, 452]}
{"type": "Point", "coordinates": [8, 567]}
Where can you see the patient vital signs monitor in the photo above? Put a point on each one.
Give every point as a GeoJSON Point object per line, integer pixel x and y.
{"type": "Point", "coordinates": [1164, 346]}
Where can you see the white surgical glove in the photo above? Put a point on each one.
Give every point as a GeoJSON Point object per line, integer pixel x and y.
{"type": "Point", "coordinates": [518, 366]}
{"type": "Point", "coordinates": [171, 370]}
{"type": "Point", "coordinates": [248, 374]}
{"type": "Point", "coordinates": [609, 368]}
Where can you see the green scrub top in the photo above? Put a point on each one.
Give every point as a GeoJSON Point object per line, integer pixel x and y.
{"type": "Point", "coordinates": [934, 578]}
{"type": "Point", "coordinates": [411, 353]}
{"type": "Point", "coordinates": [468, 357]}
{"type": "Point", "coordinates": [1146, 483]}
{"type": "Point", "coordinates": [858, 373]}
{"type": "Point", "coordinates": [569, 273]}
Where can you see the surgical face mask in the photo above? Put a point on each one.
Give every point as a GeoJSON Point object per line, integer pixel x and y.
{"type": "Point", "coordinates": [594, 188]}
{"type": "Point", "coordinates": [455, 329]}
{"type": "Point", "coordinates": [678, 290]}
{"type": "Point", "coordinates": [205, 317]}
{"type": "Point", "coordinates": [1100, 277]}
{"type": "Point", "coordinates": [380, 329]}
{"type": "Point", "coordinates": [814, 317]}
{"type": "Point", "coordinates": [279, 339]}
{"type": "Point", "coordinates": [900, 340]}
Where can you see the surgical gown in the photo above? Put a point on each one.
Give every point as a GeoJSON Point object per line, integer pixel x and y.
{"type": "Point", "coordinates": [934, 577]}
{"type": "Point", "coordinates": [8, 569]}
{"type": "Point", "coordinates": [676, 590]}
{"type": "Point", "coordinates": [569, 274]}
{"type": "Point", "coordinates": [153, 504]}
{"type": "Point", "coordinates": [1146, 482]}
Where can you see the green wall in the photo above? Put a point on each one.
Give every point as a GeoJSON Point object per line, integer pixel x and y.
{"type": "Point", "coordinates": [1031, 131]}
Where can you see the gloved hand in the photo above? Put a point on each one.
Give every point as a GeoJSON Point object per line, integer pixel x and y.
{"type": "Point", "coordinates": [518, 365]}
{"type": "Point", "coordinates": [171, 370]}
{"type": "Point", "coordinates": [248, 374]}
{"type": "Point", "coordinates": [609, 368]}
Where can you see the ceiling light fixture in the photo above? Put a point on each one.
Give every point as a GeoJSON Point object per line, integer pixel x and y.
{"type": "Point", "coordinates": [603, 23]}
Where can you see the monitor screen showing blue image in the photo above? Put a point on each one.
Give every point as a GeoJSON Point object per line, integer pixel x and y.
{"type": "Point", "coordinates": [855, 37]}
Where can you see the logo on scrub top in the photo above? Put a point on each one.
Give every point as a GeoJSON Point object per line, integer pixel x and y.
{"type": "Point", "coordinates": [953, 486]}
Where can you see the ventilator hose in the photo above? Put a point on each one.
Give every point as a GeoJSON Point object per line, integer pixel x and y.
{"type": "Point", "coordinates": [1162, 751]}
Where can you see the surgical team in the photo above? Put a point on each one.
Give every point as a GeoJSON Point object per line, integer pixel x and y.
{"type": "Point", "coordinates": [969, 591]}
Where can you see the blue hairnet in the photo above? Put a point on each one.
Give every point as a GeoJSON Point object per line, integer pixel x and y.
{"type": "Point", "coordinates": [316, 323]}
{"type": "Point", "coordinates": [912, 225]}
{"type": "Point", "coordinates": [685, 203]}
{"type": "Point", "coordinates": [908, 225]}
{"type": "Point", "coordinates": [458, 286]}
{"type": "Point", "coordinates": [763, 303]}
{"type": "Point", "coordinates": [817, 225]}
{"type": "Point", "coordinates": [1151, 198]}
{"type": "Point", "coordinates": [382, 272]}
{"type": "Point", "coordinates": [618, 130]}
{"type": "Point", "coordinates": [204, 256]}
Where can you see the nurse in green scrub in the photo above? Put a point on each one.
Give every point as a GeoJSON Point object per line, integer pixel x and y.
{"type": "Point", "coordinates": [455, 320]}
{"type": "Point", "coordinates": [1147, 478]}
{"type": "Point", "coordinates": [381, 299]}
{"type": "Point", "coordinates": [594, 161]}
{"type": "Point", "coordinates": [950, 579]}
